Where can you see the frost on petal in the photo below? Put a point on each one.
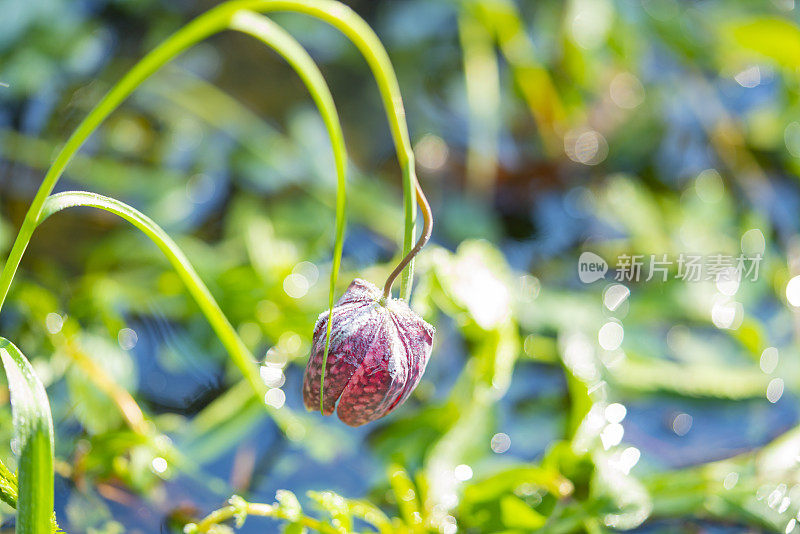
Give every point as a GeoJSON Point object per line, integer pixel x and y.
{"type": "Point", "coordinates": [360, 291]}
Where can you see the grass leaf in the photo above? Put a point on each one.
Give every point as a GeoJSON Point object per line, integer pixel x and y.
{"type": "Point", "coordinates": [33, 435]}
{"type": "Point", "coordinates": [284, 44]}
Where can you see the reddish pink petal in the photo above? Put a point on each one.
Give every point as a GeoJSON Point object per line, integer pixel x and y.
{"type": "Point", "coordinates": [417, 337]}
{"type": "Point", "coordinates": [353, 328]}
{"type": "Point", "coordinates": [377, 356]}
{"type": "Point", "coordinates": [379, 381]}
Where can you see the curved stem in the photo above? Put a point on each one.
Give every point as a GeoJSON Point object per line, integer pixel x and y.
{"type": "Point", "coordinates": [276, 37]}
{"type": "Point", "coordinates": [239, 509]}
{"type": "Point", "coordinates": [195, 31]}
{"type": "Point", "coordinates": [427, 228]}
{"type": "Point", "coordinates": [239, 352]}
{"type": "Point", "coordinates": [211, 22]}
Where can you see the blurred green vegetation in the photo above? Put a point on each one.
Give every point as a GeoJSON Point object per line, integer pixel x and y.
{"type": "Point", "coordinates": [542, 130]}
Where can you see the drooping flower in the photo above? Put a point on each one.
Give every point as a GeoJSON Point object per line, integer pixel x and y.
{"type": "Point", "coordinates": [378, 353]}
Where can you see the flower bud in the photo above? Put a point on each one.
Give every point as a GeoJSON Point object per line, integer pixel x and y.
{"type": "Point", "coordinates": [377, 354]}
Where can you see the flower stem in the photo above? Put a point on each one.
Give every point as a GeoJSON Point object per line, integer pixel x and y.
{"type": "Point", "coordinates": [239, 352]}
{"type": "Point", "coordinates": [276, 37]}
{"type": "Point", "coordinates": [195, 31]}
{"type": "Point", "coordinates": [210, 23]}
{"type": "Point", "coordinates": [243, 509]}
{"type": "Point", "coordinates": [235, 15]}
{"type": "Point", "coordinates": [427, 228]}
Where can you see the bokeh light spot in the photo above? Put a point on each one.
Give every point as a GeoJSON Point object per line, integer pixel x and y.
{"type": "Point", "coordinates": [793, 291]}
{"type": "Point", "coordinates": [775, 390]}
{"type": "Point", "coordinates": [682, 424]}
{"type": "Point", "coordinates": [127, 338]}
{"type": "Point", "coordinates": [295, 285]}
{"type": "Point", "coordinates": [769, 360]}
{"type": "Point", "coordinates": [709, 186]}
{"type": "Point", "coordinates": [462, 472]}
{"type": "Point", "coordinates": [626, 90]}
{"type": "Point", "coordinates": [610, 335]}
{"type": "Point", "coordinates": [500, 443]}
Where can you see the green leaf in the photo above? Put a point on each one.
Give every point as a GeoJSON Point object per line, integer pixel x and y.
{"type": "Point", "coordinates": [276, 37]}
{"type": "Point", "coordinates": [405, 494]}
{"type": "Point", "coordinates": [294, 528]}
{"type": "Point", "coordinates": [33, 437]}
{"type": "Point", "coordinates": [8, 486]}
{"type": "Point", "coordinates": [93, 407]}
{"type": "Point", "coordinates": [509, 480]}
{"type": "Point", "coordinates": [775, 38]}
{"type": "Point", "coordinates": [371, 514]}
{"type": "Point", "coordinates": [517, 514]}
{"type": "Point", "coordinates": [630, 503]}
{"type": "Point", "coordinates": [288, 505]}
{"type": "Point", "coordinates": [336, 505]}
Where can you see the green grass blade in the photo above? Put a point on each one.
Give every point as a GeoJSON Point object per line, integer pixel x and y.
{"type": "Point", "coordinates": [207, 24]}
{"type": "Point", "coordinates": [238, 351]}
{"type": "Point", "coordinates": [482, 83]}
{"type": "Point", "coordinates": [33, 434]}
{"type": "Point", "coordinates": [210, 23]}
{"type": "Point", "coordinates": [284, 44]}
{"type": "Point", "coordinates": [8, 486]}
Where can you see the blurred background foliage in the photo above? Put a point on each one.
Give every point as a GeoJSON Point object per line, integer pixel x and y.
{"type": "Point", "coordinates": [542, 129]}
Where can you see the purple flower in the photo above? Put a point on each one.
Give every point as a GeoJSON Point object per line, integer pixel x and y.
{"type": "Point", "coordinates": [376, 357]}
